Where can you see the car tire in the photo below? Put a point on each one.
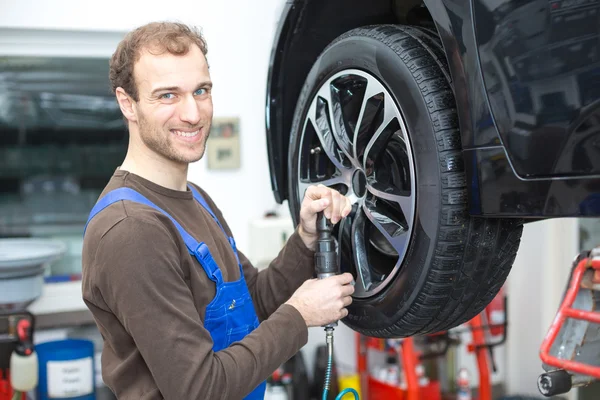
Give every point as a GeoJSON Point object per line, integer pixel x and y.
{"type": "Point", "coordinates": [440, 266]}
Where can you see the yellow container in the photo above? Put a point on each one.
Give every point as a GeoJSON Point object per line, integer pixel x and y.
{"type": "Point", "coordinates": [349, 381]}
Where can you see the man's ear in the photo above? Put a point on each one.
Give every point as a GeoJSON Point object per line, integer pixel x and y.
{"type": "Point", "coordinates": [126, 103]}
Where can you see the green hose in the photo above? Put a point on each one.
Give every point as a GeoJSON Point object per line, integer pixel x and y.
{"type": "Point", "coordinates": [329, 340]}
{"type": "Point", "coordinates": [17, 395]}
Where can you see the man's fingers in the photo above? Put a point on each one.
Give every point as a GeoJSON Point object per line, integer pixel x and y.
{"type": "Point", "coordinates": [319, 198]}
{"type": "Point", "coordinates": [316, 199]}
{"type": "Point", "coordinates": [347, 290]}
{"type": "Point", "coordinates": [335, 209]}
{"type": "Point", "coordinates": [336, 199]}
{"type": "Point", "coordinates": [319, 205]}
{"type": "Point", "coordinates": [344, 278]}
{"type": "Point", "coordinates": [347, 301]}
{"type": "Point", "coordinates": [347, 207]}
{"type": "Point", "coordinates": [318, 192]}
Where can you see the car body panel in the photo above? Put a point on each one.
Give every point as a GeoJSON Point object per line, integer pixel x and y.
{"type": "Point", "coordinates": [540, 61]}
{"type": "Point", "coordinates": [502, 194]}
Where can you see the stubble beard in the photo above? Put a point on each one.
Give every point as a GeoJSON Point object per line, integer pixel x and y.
{"type": "Point", "coordinates": [161, 143]}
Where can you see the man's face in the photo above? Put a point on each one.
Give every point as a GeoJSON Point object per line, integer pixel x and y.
{"type": "Point", "coordinates": [174, 111]}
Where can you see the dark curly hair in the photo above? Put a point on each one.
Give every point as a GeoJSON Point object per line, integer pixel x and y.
{"type": "Point", "coordinates": [157, 38]}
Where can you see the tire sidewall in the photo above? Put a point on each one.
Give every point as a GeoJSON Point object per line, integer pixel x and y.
{"type": "Point", "coordinates": [377, 58]}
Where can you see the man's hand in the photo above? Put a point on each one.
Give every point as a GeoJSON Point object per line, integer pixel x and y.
{"type": "Point", "coordinates": [318, 198]}
{"type": "Point", "coordinates": [322, 301]}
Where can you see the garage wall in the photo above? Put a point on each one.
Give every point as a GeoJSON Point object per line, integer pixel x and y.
{"type": "Point", "coordinates": [238, 63]}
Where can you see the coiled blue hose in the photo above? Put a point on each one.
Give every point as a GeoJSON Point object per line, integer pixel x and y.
{"type": "Point", "coordinates": [329, 340]}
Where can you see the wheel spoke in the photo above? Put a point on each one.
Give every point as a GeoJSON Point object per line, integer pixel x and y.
{"type": "Point", "coordinates": [392, 194]}
{"type": "Point", "coordinates": [338, 127]}
{"type": "Point", "coordinates": [364, 274]}
{"type": "Point", "coordinates": [303, 184]}
{"type": "Point", "coordinates": [382, 135]}
{"type": "Point", "coordinates": [345, 246]}
{"type": "Point", "coordinates": [388, 225]}
{"type": "Point", "coordinates": [317, 116]}
{"type": "Point", "coordinates": [370, 117]}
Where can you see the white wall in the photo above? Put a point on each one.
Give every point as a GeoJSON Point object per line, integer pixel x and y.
{"type": "Point", "coordinates": [239, 35]}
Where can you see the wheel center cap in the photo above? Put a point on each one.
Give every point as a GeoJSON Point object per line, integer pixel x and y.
{"type": "Point", "coordinates": [359, 183]}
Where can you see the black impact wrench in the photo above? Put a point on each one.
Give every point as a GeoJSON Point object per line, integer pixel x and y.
{"type": "Point", "coordinates": [326, 264]}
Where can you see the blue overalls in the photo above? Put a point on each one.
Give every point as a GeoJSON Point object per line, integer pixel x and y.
{"type": "Point", "coordinates": [230, 316]}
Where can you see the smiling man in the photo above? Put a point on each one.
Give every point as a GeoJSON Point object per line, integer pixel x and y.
{"type": "Point", "coordinates": [183, 313]}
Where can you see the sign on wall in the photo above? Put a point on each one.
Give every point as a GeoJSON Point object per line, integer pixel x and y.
{"type": "Point", "coordinates": [223, 146]}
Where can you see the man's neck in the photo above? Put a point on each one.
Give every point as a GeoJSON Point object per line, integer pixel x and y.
{"type": "Point", "coordinates": [156, 169]}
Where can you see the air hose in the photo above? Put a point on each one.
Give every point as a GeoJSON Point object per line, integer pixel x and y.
{"type": "Point", "coordinates": [326, 265]}
{"type": "Point", "coordinates": [329, 340]}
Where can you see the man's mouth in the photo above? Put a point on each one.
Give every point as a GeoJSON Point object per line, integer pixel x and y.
{"type": "Point", "coordinates": [186, 133]}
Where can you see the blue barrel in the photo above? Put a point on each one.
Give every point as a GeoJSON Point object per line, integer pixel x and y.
{"type": "Point", "coordinates": [66, 370]}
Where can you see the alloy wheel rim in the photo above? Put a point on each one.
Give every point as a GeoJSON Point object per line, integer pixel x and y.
{"type": "Point", "coordinates": [354, 139]}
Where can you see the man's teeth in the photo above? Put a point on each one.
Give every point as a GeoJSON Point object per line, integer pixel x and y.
{"type": "Point", "coordinates": [187, 134]}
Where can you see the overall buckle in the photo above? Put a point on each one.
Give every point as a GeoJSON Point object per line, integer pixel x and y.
{"type": "Point", "coordinates": [202, 251]}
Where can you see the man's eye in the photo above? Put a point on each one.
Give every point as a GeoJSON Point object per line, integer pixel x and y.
{"type": "Point", "coordinates": [200, 92]}
{"type": "Point", "coordinates": [167, 96]}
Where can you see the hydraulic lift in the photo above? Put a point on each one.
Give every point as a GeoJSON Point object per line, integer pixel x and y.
{"type": "Point", "coordinates": [570, 351]}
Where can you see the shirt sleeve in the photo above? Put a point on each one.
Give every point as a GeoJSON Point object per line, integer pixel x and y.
{"type": "Point", "coordinates": [139, 275]}
{"type": "Point", "coordinates": [273, 286]}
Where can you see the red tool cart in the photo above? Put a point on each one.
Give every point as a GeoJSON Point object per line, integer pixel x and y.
{"type": "Point", "coordinates": [375, 389]}
{"type": "Point", "coordinates": [414, 386]}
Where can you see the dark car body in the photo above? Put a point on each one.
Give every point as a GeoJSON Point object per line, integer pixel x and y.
{"type": "Point", "coordinates": [526, 77]}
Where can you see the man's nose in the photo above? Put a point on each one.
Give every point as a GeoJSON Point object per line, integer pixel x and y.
{"type": "Point", "coordinates": [190, 110]}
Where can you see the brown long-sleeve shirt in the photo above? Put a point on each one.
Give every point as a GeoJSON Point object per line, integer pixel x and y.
{"type": "Point", "coordinates": [148, 296]}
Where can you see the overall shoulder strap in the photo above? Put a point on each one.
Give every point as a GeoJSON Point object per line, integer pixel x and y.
{"type": "Point", "coordinates": [231, 240]}
{"type": "Point", "coordinates": [199, 250]}
{"type": "Point", "coordinates": [204, 204]}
